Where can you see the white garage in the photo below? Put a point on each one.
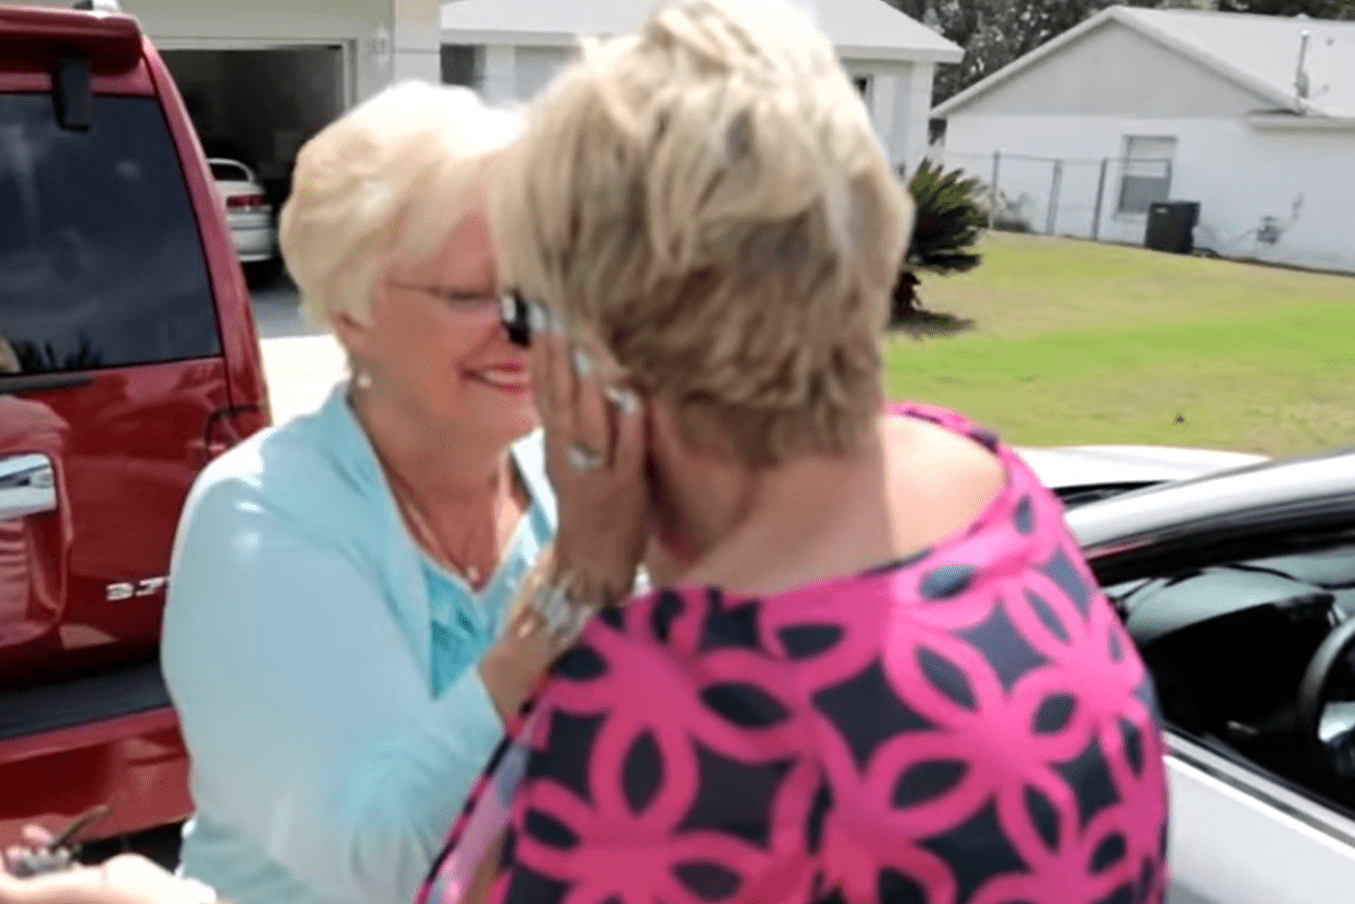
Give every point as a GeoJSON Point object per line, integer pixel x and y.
{"type": "Point", "coordinates": [258, 104]}
{"type": "Point", "coordinates": [510, 49]}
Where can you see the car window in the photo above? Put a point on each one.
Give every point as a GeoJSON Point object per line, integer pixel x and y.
{"type": "Point", "coordinates": [101, 263]}
{"type": "Point", "coordinates": [1228, 639]}
{"type": "Point", "coordinates": [229, 172]}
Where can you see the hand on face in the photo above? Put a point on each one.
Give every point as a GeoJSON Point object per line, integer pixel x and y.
{"type": "Point", "coordinates": [595, 457]}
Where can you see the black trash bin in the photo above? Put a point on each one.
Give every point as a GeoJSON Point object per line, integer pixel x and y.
{"type": "Point", "coordinates": [1171, 226]}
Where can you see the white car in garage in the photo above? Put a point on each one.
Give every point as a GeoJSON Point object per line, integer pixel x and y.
{"type": "Point", "coordinates": [248, 212]}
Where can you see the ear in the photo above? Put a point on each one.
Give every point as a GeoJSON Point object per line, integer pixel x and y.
{"type": "Point", "coordinates": [354, 335]}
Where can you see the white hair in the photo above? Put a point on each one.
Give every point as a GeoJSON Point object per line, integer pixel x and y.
{"type": "Point", "coordinates": [384, 185]}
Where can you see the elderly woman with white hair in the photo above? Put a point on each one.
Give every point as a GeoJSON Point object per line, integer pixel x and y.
{"type": "Point", "coordinates": [339, 581]}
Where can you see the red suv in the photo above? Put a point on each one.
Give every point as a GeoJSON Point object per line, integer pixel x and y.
{"type": "Point", "coordinates": [128, 359]}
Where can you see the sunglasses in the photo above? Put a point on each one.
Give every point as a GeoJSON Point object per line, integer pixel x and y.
{"type": "Point", "coordinates": [521, 318]}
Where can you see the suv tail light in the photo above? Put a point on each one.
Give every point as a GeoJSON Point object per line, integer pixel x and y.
{"type": "Point", "coordinates": [247, 202]}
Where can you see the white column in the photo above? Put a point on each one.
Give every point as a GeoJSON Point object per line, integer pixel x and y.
{"type": "Point", "coordinates": [883, 93]}
{"type": "Point", "coordinates": [500, 85]}
{"type": "Point", "coordinates": [912, 111]}
{"type": "Point", "coordinates": [417, 40]}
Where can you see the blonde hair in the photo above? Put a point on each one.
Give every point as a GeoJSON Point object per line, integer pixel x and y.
{"type": "Point", "coordinates": [384, 185]}
{"type": "Point", "coordinates": [709, 199]}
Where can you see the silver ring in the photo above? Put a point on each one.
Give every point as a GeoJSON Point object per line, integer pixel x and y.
{"type": "Point", "coordinates": [581, 458]}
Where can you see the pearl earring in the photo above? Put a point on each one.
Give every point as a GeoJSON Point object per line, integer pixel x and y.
{"type": "Point", "coordinates": [362, 379]}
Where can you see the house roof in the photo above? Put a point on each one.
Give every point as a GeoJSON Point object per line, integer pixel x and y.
{"type": "Point", "coordinates": [1260, 53]}
{"type": "Point", "coordinates": [861, 29]}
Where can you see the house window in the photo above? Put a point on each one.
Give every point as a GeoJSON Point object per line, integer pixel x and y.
{"type": "Point", "coordinates": [1147, 172]}
{"type": "Point", "coordinates": [463, 64]}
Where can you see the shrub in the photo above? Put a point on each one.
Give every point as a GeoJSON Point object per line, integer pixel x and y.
{"type": "Point", "coordinates": [951, 215]}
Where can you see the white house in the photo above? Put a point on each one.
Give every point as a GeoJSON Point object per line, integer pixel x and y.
{"type": "Point", "coordinates": [511, 48]}
{"type": "Point", "coordinates": [1251, 116]}
{"type": "Point", "coordinates": [262, 76]}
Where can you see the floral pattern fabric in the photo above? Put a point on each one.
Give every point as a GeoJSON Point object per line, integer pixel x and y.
{"type": "Point", "coordinates": [970, 726]}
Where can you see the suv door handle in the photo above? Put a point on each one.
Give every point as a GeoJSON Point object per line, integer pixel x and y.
{"type": "Point", "coordinates": [27, 486]}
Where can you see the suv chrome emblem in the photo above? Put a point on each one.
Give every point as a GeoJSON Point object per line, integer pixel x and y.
{"type": "Point", "coordinates": [125, 590]}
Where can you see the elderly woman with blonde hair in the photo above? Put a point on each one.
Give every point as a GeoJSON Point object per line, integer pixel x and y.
{"type": "Point", "coordinates": [332, 640]}
{"type": "Point", "coordinates": [880, 670]}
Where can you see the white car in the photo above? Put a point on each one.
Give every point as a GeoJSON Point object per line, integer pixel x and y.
{"type": "Point", "coordinates": [1083, 474]}
{"type": "Point", "coordinates": [1238, 589]}
{"type": "Point", "coordinates": [248, 212]}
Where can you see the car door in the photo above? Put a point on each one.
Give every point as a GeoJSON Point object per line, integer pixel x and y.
{"type": "Point", "coordinates": [1240, 837]}
{"type": "Point", "coordinates": [1227, 612]}
{"type": "Point", "coordinates": [110, 374]}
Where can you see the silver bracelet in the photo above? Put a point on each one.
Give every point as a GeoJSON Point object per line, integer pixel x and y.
{"type": "Point", "coordinates": [556, 611]}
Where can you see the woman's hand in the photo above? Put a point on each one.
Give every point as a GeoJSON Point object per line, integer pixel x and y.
{"type": "Point", "coordinates": [595, 457]}
{"type": "Point", "coordinates": [125, 879]}
{"type": "Point", "coordinates": [595, 453]}
{"type": "Point", "coordinates": [513, 665]}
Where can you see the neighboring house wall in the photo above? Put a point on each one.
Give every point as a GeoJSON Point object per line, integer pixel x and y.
{"type": "Point", "coordinates": [1111, 71]}
{"type": "Point", "coordinates": [1084, 104]}
{"type": "Point", "coordinates": [1238, 173]}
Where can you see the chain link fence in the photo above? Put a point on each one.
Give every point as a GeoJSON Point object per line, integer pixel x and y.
{"type": "Point", "coordinates": [1075, 197]}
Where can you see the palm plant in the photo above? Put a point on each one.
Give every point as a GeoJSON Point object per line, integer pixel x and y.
{"type": "Point", "coordinates": [949, 218]}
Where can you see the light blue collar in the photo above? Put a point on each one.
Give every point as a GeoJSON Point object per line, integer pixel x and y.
{"type": "Point", "coordinates": [353, 455]}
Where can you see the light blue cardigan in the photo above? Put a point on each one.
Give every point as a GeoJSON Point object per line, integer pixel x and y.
{"type": "Point", "coordinates": [299, 649]}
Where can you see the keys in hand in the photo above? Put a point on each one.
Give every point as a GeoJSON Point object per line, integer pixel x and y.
{"type": "Point", "coordinates": [26, 864]}
{"type": "Point", "coordinates": [51, 853]}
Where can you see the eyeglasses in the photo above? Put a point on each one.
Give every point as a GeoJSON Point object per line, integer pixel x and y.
{"type": "Point", "coordinates": [450, 296]}
{"type": "Point", "coordinates": [520, 318]}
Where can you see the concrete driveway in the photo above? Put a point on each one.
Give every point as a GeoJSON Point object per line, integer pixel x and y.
{"type": "Point", "coordinates": [302, 363]}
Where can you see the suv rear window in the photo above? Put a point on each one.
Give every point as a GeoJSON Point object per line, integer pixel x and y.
{"type": "Point", "coordinates": [101, 264]}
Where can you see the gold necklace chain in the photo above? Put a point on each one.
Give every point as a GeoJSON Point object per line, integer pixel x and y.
{"type": "Point", "coordinates": [416, 518]}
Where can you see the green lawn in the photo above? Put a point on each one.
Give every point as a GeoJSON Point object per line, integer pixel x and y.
{"type": "Point", "coordinates": [1083, 343]}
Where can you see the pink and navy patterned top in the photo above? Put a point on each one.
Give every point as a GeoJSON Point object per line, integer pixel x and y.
{"type": "Point", "coordinates": [969, 726]}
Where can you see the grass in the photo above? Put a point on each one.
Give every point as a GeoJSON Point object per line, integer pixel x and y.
{"type": "Point", "coordinates": [1077, 342]}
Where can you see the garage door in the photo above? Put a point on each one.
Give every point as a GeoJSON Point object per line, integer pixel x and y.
{"type": "Point", "coordinates": [260, 105]}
